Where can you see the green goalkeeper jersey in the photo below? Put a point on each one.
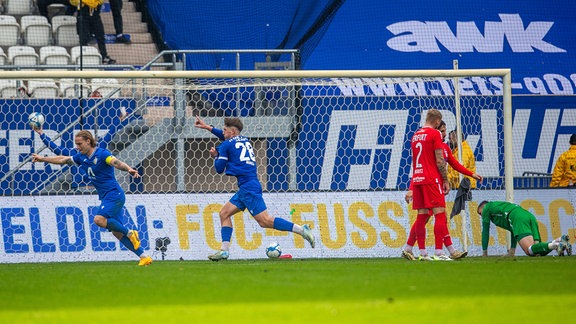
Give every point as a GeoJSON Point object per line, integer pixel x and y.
{"type": "Point", "coordinates": [497, 212]}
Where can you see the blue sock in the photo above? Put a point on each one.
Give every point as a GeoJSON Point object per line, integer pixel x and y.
{"type": "Point", "coordinates": [226, 233]}
{"type": "Point", "coordinates": [116, 226]}
{"type": "Point", "coordinates": [127, 243]}
{"type": "Point", "coordinates": [283, 225]}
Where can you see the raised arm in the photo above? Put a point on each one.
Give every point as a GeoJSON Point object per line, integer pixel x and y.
{"type": "Point", "coordinates": [123, 167]}
{"type": "Point", "coordinates": [58, 150]}
{"type": "Point", "coordinates": [201, 124]}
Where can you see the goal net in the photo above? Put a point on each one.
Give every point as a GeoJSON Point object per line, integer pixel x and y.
{"type": "Point", "coordinates": [332, 149]}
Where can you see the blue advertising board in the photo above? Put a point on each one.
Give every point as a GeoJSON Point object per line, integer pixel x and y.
{"type": "Point", "coordinates": [356, 143]}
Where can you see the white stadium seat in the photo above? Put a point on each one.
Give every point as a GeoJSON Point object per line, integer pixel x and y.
{"type": "Point", "coordinates": [36, 30]}
{"type": "Point", "coordinates": [54, 55]}
{"type": "Point", "coordinates": [90, 55]}
{"type": "Point", "coordinates": [18, 7]}
{"type": "Point", "coordinates": [43, 89]}
{"type": "Point", "coordinates": [22, 55]}
{"type": "Point", "coordinates": [8, 88]}
{"type": "Point", "coordinates": [64, 31]}
{"type": "Point", "coordinates": [3, 58]}
{"type": "Point", "coordinates": [68, 89]}
{"type": "Point", "coordinates": [106, 86]}
{"type": "Point", "coordinates": [9, 31]}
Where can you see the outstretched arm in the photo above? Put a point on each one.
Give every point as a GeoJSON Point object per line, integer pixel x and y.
{"type": "Point", "coordinates": [123, 167]}
{"type": "Point", "coordinates": [60, 159]}
{"type": "Point", "coordinates": [460, 168]}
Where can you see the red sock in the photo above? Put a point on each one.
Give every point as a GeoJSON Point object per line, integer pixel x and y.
{"type": "Point", "coordinates": [447, 240]}
{"type": "Point", "coordinates": [440, 230]}
{"type": "Point", "coordinates": [412, 236]}
{"type": "Point", "coordinates": [420, 230]}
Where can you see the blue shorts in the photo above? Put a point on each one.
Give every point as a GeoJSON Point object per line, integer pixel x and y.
{"type": "Point", "coordinates": [112, 205]}
{"type": "Point", "coordinates": [253, 201]}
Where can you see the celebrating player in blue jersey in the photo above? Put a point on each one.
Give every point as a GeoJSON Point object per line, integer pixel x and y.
{"type": "Point", "coordinates": [235, 156]}
{"type": "Point", "coordinates": [80, 181]}
{"type": "Point", "coordinates": [98, 163]}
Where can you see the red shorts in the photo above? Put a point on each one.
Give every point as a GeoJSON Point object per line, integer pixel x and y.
{"type": "Point", "coordinates": [428, 196]}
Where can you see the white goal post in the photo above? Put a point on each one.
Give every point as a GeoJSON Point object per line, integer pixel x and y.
{"type": "Point", "coordinates": [324, 134]}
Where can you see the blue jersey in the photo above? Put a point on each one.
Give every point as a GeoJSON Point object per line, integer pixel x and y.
{"type": "Point", "coordinates": [236, 157]}
{"type": "Point", "coordinates": [80, 178]}
{"type": "Point", "coordinates": [101, 173]}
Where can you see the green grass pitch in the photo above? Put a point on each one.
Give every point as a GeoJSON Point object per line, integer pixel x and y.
{"type": "Point", "coordinates": [473, 290]}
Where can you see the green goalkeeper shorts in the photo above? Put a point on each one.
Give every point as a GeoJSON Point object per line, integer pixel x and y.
{"type": "Point", "coordinates": [524, 224]}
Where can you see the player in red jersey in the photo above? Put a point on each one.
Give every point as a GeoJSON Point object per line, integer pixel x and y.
{"type": "Point", "coordinates": [429, 178]}
{"type": "Point", "coordinates": [443, 238]}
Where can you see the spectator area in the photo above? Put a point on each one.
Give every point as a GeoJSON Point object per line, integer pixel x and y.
{"type": "Point", "coordinates": [22, 25]}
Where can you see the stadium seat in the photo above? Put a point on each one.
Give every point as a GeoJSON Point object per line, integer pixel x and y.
{"type": "Point", "coordinates": [18, 7]}
{"type": "Point", "coordinates": [9, 31]}
{"type": "Point", "coordinates": [42, 89]}
{"type": "Point", "coordinates": [35, 30]}
{"type": "Point", "coordinates": [56, 9]}
{"type": "Point", "coordinates": [3, 58]}
{"type": "Point", "coordinates": [106, 86]}
{"type": "Point", "coordinates": [64, 31]}
{"type": "Point", "coordinates": [90, 55]}
{"type": "Point", "coordinates": [54, 55]}
{"type": "Point", "coordinates": [22, 55]}
{"type": "Point", "coordinates": [8, 88]}
{"type": "Point", "coordinates": [68, 90]}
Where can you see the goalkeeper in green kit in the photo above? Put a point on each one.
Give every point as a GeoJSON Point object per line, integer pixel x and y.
{"type": "Point", "coordinates": [522, 225]}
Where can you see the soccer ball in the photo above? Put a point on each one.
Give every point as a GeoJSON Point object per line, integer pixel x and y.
{"type": "Point", "coordinates": [273, 250]}
{"type": "Point", "coordinates": [36, 120]}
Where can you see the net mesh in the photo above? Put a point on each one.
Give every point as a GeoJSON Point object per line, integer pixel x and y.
{"type": "Point", "coordinates": [310, 133]}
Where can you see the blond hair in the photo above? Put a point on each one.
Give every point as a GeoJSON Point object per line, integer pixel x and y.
{"type": "Point", "coordinates": [433, 115]}
{"type": "Point", "coordinates": [87, 136]}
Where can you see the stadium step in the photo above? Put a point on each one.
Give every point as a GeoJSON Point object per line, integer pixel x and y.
{"type": "Point", "coordinates": [141, 38]}
{"type": "Point", "coordinates": [134, 54]}
{"type": "Point", "coordinates": [131, 27]}
{"type": "Point", "coordinates": [142, 49]}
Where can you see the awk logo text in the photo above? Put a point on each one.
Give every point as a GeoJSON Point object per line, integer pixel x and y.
{"type": "Point", "coordinates": [425, 36]}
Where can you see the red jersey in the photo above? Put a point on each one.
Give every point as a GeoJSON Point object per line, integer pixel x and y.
{"type": "Point", "coordinates": [424, 142]}
{"type": "Point", "coordinates": [449, 157]}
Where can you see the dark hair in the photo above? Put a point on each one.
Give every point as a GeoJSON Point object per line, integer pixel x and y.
{"type": "Point", "coordinates": [234, 122]}
{"type": "Point", "coordinates": [484, 202]}
{"type": "Point", "coordinates": [87, 136]}
{"type": "Point", "coordinates": [573, 139]}
{"type": "Point", "coordinates": [442, 123]}
{"type": "Point", "coordinates": [454, 132]}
